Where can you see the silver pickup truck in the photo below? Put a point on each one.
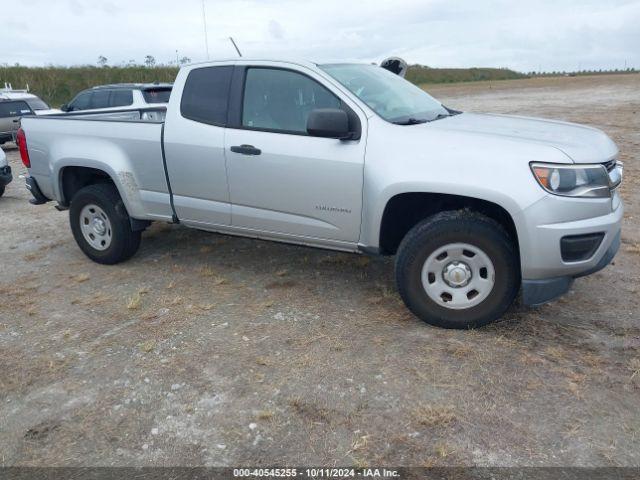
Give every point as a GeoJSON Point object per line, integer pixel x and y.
{"type": "Point", "coordinates": [346, 157]}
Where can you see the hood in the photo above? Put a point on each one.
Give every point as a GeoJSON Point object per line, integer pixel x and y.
{"type": "Point", "coordinates": [580, 143]}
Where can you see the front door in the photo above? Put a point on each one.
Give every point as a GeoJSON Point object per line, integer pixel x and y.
{"type": "Point", "coordinates": [283, 181]}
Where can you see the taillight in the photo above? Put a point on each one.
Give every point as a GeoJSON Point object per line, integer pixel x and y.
{"type": "Point", "coordinates": [21, 140]}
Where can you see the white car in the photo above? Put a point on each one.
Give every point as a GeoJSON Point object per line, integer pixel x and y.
{"type": "Point", "coordinates": [122, 96]}
{"type": "Point", "coordinates": [5, 172]}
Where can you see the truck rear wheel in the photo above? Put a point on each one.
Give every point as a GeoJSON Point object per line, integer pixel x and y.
{"type": "Point", "coordinates": [457, 269]}
{"type": "Point", "coordinates": [100, 224]}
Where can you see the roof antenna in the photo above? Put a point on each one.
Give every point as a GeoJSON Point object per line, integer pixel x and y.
{"type": "Point", "coordinates": [235, 46]}
{"type": "Point", "coordinates": [206, 36]}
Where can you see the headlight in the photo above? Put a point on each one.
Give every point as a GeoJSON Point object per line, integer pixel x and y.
{"type": "Point", "coordinates": [590, 181]}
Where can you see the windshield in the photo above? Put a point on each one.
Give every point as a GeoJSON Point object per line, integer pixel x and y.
{"type": "Point", "coordinates": [390, 96]}
{"type": "Point", "coordinates": [36, 104]}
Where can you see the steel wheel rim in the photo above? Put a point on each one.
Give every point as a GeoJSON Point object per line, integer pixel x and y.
{"type": "Point", "coordinates": [458, 276]}
{"type": "Point", "coordinates": [96, 227]}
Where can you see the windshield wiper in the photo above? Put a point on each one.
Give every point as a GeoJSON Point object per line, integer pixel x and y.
{"type": "Point", "coordinates": [411, 121]}
{"type": "Point", "coordinates": [440, 116]}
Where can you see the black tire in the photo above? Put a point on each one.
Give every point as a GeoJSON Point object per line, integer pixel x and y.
{"type": "Point", "coordinates": [457, 227]}
{"type": "Point", "coordinates": [124, 242]}
{"type": "Point", "coordinates": [2, 187]}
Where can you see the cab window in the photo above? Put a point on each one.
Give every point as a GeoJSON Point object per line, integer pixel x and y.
{"type": "Point", "coordinates": [205, 97]}
{"type": "Point", "coordinates": [281, 100]}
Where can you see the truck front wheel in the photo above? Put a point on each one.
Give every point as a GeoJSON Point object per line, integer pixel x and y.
{"type": "Point", "coordinates": [457, 269]}
{"type": "Point", "coordinates": [100, 224]}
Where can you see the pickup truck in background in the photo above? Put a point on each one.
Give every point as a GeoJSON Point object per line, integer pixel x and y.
{"type": "Point", "coordinates": [349, 157]}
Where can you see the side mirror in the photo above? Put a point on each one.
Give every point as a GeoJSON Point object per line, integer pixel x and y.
{"type": "Point", "coordinates": [328, 123]}
{"type": "Point", "coordinates": [64, 107]}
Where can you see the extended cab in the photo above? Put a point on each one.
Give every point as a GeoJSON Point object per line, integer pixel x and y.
{"type": "Point", "coordinates": [345, 157]}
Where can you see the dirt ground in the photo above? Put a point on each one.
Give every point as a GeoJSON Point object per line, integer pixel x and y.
{"type": "Point", "coordinates": [214, 350]}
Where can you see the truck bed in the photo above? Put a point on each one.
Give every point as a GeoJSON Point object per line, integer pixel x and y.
{"type": "Point", "coordinates": [126, 144]}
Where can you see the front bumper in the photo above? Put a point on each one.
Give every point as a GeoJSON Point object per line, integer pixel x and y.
{"type": "Point", "coordinates": [537, 292]}
{"type": "Point", "coordinates": [5, 176]}
{"type": "Point", "coordinates": [545, 274]}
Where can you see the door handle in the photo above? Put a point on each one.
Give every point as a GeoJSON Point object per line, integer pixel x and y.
{"type": "Point", "coordinates": [246, 150]}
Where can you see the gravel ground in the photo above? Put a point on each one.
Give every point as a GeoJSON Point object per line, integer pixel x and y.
{"type": "Point", "coordinates": [214, 350]}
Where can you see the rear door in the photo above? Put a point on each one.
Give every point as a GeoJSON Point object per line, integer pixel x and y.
{"type": "Point", "coordinates": [194, 146]}
{"type": "Point", "coordinates": [10, 113]}
{"type": "Point", "coordinates": [293, 185]}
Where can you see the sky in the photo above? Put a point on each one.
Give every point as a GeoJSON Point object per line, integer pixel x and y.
{"type": "Point", "coordinates": [523, 35]}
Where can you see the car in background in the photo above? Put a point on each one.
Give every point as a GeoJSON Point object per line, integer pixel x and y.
{"type": "Point", "coordinates": [5, 172]}
{"type": "Point", "coordinates": [122, 96]}
{"type": "Point", "coordinates": [15, 104]}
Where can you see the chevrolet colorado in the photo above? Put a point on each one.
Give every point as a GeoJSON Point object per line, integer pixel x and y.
{"type": "Point", "coordinates": [475, 207]}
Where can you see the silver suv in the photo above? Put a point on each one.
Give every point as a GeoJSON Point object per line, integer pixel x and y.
{"type": "Point", "coordinates": [15, 104]}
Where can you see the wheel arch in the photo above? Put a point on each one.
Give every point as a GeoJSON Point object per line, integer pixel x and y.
{"type": "Point", "coordinates": [404, 210]}
{"type": "Point", "coordinates": [73, 176]}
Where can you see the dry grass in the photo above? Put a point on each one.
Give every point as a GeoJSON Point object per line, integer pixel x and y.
{"type": "Point", "coordinates": [30, 257]}
{"type": "Point", "coordinates": [361, 261]}
{"type": "Point", "coordinates": [81, 278]}
{"type": "Point", "coordinates": [207, 272]}
{"type": "Point", "coordinates": [134, 302]}
{"type": "Point", "coordinates": [360, 443]}
{"type": "Point", "coordinates": [434, 415]}
{"type": "Point", "coordinates": [443, 450]}
{"type": "Point", "coordinates": [634, 366]}
{"type": "Point", "coordinates": [148, 346]}
{"type": "Point", "coordinates": [634, 248]}
{"type": "Point", "coordinates": [265, 415]}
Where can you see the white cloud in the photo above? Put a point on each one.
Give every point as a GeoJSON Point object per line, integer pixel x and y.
{"type": "Point", "coordinates": [552, 34]}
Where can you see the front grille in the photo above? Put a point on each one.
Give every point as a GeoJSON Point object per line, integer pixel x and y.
{"type": "Point", "coordinates": [610, 165]}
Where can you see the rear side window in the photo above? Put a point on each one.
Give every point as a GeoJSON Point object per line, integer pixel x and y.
{"type": "Point", "coordinates": [156, 95]}
{"type": "Point", "coordinates": [206, 95]}
{"type": "Point", "coordinates": [100, 99]}
{"type": "Point", "coordinates": [121, 98]}
{"type": "Point", "coordinates": [14, 109]}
